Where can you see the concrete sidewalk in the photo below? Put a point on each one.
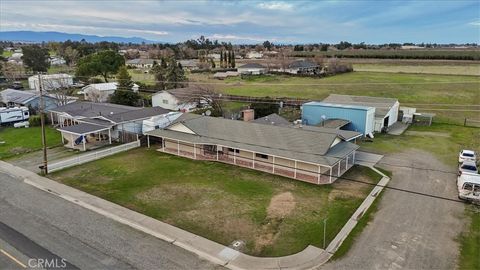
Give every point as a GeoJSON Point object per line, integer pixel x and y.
{"type": "Point", "coordinates": [308, 258]}
{"type": "Point", "coordinates": [367, 159]}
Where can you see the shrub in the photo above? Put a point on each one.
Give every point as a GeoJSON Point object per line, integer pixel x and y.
{"type": "Point", "coordinates": [34, 120]}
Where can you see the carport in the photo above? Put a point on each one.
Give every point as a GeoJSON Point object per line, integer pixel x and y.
{"type": "Point", "coordinates": [97, 132]}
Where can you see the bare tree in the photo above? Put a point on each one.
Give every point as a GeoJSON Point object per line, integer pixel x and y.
{"type": "Point", "coordinates": [97, 96]}
{"type": "Point", "coordinates": [59, 87]}
{"type": "Point", "coordinates": [204, 95]}
{"type": "Point", "coordinates": [13, 71]}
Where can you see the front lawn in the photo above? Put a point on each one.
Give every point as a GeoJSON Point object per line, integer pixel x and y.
{"type": "Point", "coordinates": [17, 141]}
{"type": "Point", "coordinates": [274, 215]}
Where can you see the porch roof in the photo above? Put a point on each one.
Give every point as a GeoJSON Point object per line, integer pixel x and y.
{"type": "Point", "coordinates": [338, 152]}
{"type": "Point", "coordinates": [82, 129]}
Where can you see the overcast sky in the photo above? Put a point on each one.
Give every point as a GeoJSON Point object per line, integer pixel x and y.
{"type": "Point", "coordinates": [440, 21]}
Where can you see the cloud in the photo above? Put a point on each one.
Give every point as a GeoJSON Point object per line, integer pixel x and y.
{"type": "Point", "coordinates": [276, 5]}
{"type": "Point", "coordinates": [235, 37]}
{"type": "Point", "coordinates": [474, 23]}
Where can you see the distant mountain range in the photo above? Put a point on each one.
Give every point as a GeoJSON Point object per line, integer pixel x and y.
{"type": "Point", "coordinates": [36, 37]}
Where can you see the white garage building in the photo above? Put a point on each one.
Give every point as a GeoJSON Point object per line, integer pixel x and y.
{"type": "Point", "coordinates": [386, 109]}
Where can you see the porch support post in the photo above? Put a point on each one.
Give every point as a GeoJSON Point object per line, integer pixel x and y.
{"type": "Point", "coordinates": [353, 162]}
{"type": "Point", "coordinates": [148, 141]}
{"type": "Point", "coordinates": [295, 170]}
{"type": "Point", "coordinates": [273, 164]}
{"type": "Point", "coordinates": [83, 140]}
{"type": "Point", "coordinates": [194, 151]}
{"type": "Point", "coordinates": [63, 140]}
{"type": "Point", "coordinates": [178, 147]}
{"type": "Point", "coordinates": [319, 170]}
{"type": "Point", "coordinates": [109, 137]}
{"type": "Point", "coordinates": [51, 118]}
{"type": "Point", "coordinates": [73, 143]}
{"type": "Point", "coordinates": [234, 156]}
{"type": "Point", "coordinates": [163, 144]}
{"type": "Point", "coordinates": [330, 175]}
{"type": "Point", "coordinates": [253, 160]}
{"type": "Point", "coordinates": [339, 165]}
{"type": "Point", "coordinates": [216, 148]}
{"type": "Point", "coordinates": [346, 163]}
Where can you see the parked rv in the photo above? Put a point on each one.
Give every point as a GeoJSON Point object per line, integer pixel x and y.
{"type": "Point", "coordinates": [13, 115]}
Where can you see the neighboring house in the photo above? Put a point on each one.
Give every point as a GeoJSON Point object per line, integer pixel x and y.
{"type": "Point", "coordinates": [12, 97]}
{"type": "Point", "coordinates": [189, 64]}
{"type": "Point", "coordinates": [57, 61]}
{"type": "Point", "coordinates": [88, 125]}
{"type": "Point", "coordinates": [303, 67]}
{"type": "Point", "coordinates": [214, 56]}
{"type": "Point", "coordinates": [359, 118]}
{"type": "Point", "coordinates": [103, 91]}
{"type": "Point", "coordinates": [179, 99]}
{"type": "Point", "coordinates": [254, 55]}
{"type": "Point", "coordinates": [50, 81]}
{"type": "Point", "coordinates": [224, 75]}
{"type": "Point", "coordinates": [313, 157]}
{"type": "Point", "coordinates": [140, 63]}
{"type": "Point", "coordinates": [272, 119]}
{"type": "Point", "coordinates": [252, 68]}
{"type": "Point", "coordinates": [386, 109]}
{"type": "Point", "coordinates": [16, 58]}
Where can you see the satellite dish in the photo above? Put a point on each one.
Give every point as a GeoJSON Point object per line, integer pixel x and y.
{"type": "Point", "coordinates": [208, 113]}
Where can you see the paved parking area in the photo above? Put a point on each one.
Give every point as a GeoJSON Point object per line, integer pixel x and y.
{"type": "Point", "coordinates": [411, 231]}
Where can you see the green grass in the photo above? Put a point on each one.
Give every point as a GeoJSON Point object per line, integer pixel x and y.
{"type": "Point", "coordinates": [23, 140]}
{"type": "Point", "coordinates": [7, 54]}
{"type": "Point", "coordinates": [222, 202]}
{"type": "Point", "coordinates": [470, 241]}
{"type": "Point", "coordinates": [442, 140]}
{"type": "Point", "coordinates": [408, 88]}
{"type": "Point", "coordinates": [471, 69]}
{"type": "Point", "coordinates": [139, 76]}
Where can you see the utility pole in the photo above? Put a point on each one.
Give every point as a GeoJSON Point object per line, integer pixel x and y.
{"type": "Point", "coordinates": [324, 231]}
{"type": "Point", "coordinates": [42, 123]}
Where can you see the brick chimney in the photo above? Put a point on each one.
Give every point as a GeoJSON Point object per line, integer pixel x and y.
{"type": "Point", "coordinates": [248, 115]}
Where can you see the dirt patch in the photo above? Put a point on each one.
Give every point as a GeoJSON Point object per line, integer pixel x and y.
{"type": "Point", "coordinates": [281, 205]}
{"type": "Point", "coordinates": [428, 133]}
{"type": "Point", "coordinates": [19, 150]}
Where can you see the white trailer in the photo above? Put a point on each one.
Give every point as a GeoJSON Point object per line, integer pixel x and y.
{"type": "Point", "coordinates": [13, 115]}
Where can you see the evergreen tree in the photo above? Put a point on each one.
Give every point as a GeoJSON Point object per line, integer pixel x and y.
{"type": "Point", "coordinates": [212, 63]}
{"type": "Point", "coordinates": [225, 57]}
{"type": "Point", "coordinates": [124, 79]}
{"type": "Point", "coordinates": [174, 75]}
{"type": "Point", "coordinates": [158, 72]}
{"type": "Point", "coordinates": [221, 59]}
{"type": "Point", "coordinates": [233, 59]}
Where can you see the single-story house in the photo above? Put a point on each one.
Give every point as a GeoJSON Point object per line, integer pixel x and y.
{"type": "Point", "coordinates": [359, 118]}
{"type": "Point", "coordinates": [214, 56]}
{"type": "Point", "coordinates": [386, 109]}
{"type": "Point", "coordinates": [140, 63]}
{"type": "Point", "coordinates": [272, 119]}
{"type": "Point", "coordinates": [254, 55]}
{"type": "Point", "coordinates": [224, 75]}
{"type": "Point", "coordinates": [88, 125]}
{"type": "Point", "coordinates": [313, 157]}
{"type": "Point", "coordinates": [57, 61]}
{"type": "Point", "coordinates": [179, 99]}
{"type": "Point", "coordinates": [189, 64]}
{"type": "Point", "coordinates": [303, 67]}
{"type": "Point", "coordinates": [50, 81]}
{"type": "Point", "coordinates": [104, 90]}
{"type": "Point", "coordinates": [12, 97]}
{"type": "Point", "coordinates": [252, 68]}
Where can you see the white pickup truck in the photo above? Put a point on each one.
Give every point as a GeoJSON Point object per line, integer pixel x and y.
{"type": "Point", "coordinates": [468, 185]}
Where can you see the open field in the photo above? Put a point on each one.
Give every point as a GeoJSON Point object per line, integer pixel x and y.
{"type": "Point", "coordinates": [23, 140]}
{"type": "Point", "coordinates": [416, 90]}
{"type": "Point", "coordinates": [466, 69]}
{"type": "Point", "coordinates": [273, 215]}
{"type": "Point", "coordinates": [454, 54]}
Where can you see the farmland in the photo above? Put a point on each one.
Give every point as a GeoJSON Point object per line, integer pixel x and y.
{"type": "Point", "coordinates": [453, 54]}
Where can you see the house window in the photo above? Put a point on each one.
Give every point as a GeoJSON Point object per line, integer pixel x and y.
{"type": "Point", "coordinates": [261, 156]}
{"type": "Point", "coordinates": [25, 113]}
{"type": "Point", "coordinates": [234, 150]}
{"type": "Point", "coordinates": [165, 101]}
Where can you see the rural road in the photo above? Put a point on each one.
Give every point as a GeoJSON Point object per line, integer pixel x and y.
{"type": "Point", "coordinates": [35, 224]}
{"type": "Point", "coordinates": [410, 231]}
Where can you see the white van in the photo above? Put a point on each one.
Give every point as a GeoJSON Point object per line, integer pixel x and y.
{"type": "Point", "coordinates": [468, 185]}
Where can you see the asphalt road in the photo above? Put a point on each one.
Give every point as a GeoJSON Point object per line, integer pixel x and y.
{"type": "Point", "coordinates": [410, 231]}
{"type": "Point", "coordinates": [35, 224]}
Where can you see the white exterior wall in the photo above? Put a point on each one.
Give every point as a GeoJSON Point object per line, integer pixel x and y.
{"type": "Point", "coordinates": [50, 82]}
{"type": "Point", "coordinates": [393, 113]}
{"type": "Point", "coordinates": [254, 71]}
{"type": "Point", "coordinates": [171, 101]}
{"type": "Point", "coordinates": [370, 121]}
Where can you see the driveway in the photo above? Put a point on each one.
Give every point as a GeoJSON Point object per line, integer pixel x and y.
{"type": "Point", "coordinates": [410, 231]}
{"type": "Point", "coordinates": [32, 160]}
